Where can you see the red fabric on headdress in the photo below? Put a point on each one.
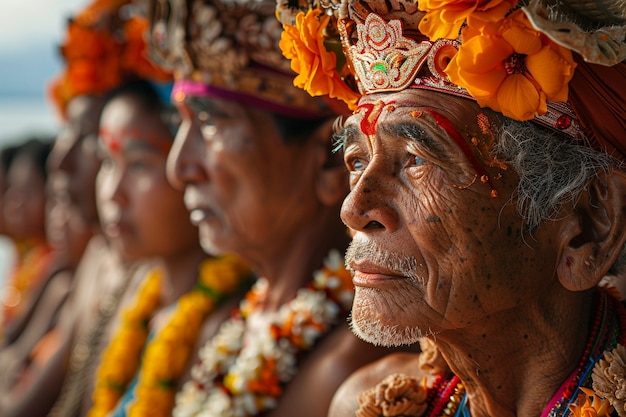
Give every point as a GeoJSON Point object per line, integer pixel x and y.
{"type": "Point", "coordinates": [598, 95]}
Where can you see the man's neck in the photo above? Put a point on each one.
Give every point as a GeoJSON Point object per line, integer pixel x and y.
{"type": "Point", "coordinates": [180, 273]}
{"type": "Point", "coordinates": [292, 267]}
{"type": "Point", "coordinates": [514, 362]}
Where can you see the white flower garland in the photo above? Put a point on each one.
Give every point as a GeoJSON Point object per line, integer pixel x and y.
{"type": "Point", "coordinates": [243, 369]}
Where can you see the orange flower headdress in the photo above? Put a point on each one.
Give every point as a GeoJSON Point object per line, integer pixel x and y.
{"type": "Point", "coordinates": [104, 46]}
{"type": "Point", "coordinates": [507, 56]}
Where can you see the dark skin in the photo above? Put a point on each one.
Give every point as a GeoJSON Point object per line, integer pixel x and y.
{"type": "Point", "coordinates": [488, 295]}
{"type": "Point", "coordinates": [276, 206]}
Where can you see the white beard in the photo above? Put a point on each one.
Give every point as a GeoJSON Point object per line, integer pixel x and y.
{"type": "Point", "coordinates": [379, 333]}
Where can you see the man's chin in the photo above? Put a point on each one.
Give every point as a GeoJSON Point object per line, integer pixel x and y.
{"type": "Point", "coordinates": [211, 248]}
{"type": "Point", "coordinates": [381, 334]}
{"type": "Point", "coordinates": [209, 242]}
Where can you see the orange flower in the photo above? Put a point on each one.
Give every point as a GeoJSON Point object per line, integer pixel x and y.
{"type": "Point", "coordinates": [100, 56]}
{"type": "Point", "coordinates": [444, 18]}
{"type": "Point", "coordinates": [92, 65]}
{"type": "Point", "coordinates": [590, 405]}
{"type": "Point", "coordinates": [512, 68]}
{"type": "Point", "coordinates": [316, 67]}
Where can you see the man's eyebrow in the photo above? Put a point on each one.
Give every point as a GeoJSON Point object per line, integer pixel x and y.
{"type": "Point", "coordinates": [350, 134]}
{"type": "Point", "coordinates": [203, 104]}
{"type": "Point", "coordinates": [344, 137]}
{"type": "Point", "coordinates": [411, 131]}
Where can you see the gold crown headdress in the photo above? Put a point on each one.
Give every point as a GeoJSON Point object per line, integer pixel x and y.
{"type": "Point", "coordinates": [228, 48]}
{"type": "Point", "coordinates": [488, 51]}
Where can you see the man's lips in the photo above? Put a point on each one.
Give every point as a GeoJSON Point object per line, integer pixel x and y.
{"type": "Point", "coordinates": [199, 211]}
{"type": "Point", "coordinates": [368, 274]}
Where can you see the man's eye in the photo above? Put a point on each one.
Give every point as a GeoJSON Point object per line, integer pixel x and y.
{"type": "Point", "coordinates": [418, 160]}
{"type": "Point", "coordinates": [355, 164]}
{"type": "Point", "coordinates": [137, 165]}
{"type": "Point", "coordinates": [208, 129]}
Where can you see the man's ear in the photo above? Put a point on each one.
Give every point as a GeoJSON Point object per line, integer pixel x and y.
{"type": "Point", "coordinates": [331, 184]}
{"type": "Point", "coordinates": [594, 235]}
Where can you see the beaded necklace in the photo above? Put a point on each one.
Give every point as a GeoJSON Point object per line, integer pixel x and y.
{"type": "Point", "coordinates": [244, 368]}
{"type": "Point", "coordinates": [608, 321]}
{"type": "Point", "coordinates": [166, 355]}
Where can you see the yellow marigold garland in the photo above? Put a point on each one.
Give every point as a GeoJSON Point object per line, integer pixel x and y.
{"type": "Point", "coordinates": [166, 355]}
{"type": "Point", "coordinates": [121, 357]}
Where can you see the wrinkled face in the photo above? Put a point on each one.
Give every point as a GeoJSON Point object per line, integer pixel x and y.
{"type": "Point", "coordinates": [438, 245]}
{"type": "Point", "coordinates": [142, 214]}
{"type": "Point", "coordinates": [74, 154]}
{"type": "Point", "coordinates": [244, 188]}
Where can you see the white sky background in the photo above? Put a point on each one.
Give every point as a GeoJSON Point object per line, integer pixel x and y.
{"type": "Point", "coordinates": [24, 22]}
{"type": "Point", "coordinates": [30, 33]}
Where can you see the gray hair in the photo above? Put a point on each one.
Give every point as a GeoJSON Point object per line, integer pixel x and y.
{"type": "Point", "coordinates": [554, 170]}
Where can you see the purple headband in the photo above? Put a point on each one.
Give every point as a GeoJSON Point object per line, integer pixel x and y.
{"type": "Point", "coordinates": [183, 88]}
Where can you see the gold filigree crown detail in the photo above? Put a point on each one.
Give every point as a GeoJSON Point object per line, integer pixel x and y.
{"type": "Point", "coordinates": [384, 60]}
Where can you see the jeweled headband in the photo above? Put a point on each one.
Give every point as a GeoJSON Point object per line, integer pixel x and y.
{"type": "Point", "coordinates": [488, 51]}
{"type": "Point", "coordinates": [228, 49]}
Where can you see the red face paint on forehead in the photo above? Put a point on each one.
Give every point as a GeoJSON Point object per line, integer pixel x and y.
{"type": "Point", "coordinates": [372, 114]}
{"type": "Point", "coordinates": [447, 125]}
{"type": "Point", "coordinates": [110, 140]}
{"type": "Point", "coordinates": [114, 141]}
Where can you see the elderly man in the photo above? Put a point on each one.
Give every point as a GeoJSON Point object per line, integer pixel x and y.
{"type": "Point", "coordinates": [486, 202]}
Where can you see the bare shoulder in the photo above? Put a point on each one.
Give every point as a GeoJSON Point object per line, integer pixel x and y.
{"type": "Point", "coordinates": [345, 401]}
{"type": "Point", "coordinates": [322, 372]}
